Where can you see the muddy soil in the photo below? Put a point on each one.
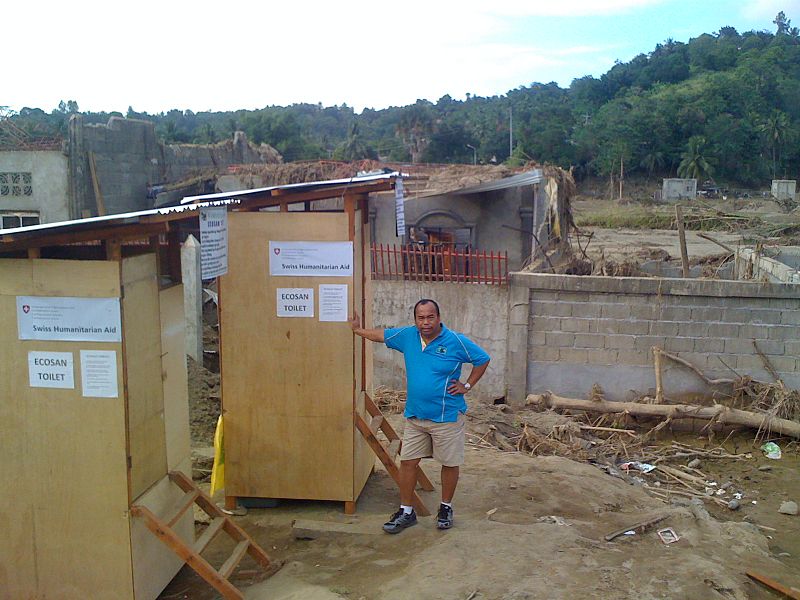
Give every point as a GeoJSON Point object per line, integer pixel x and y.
{"type": "Point", "coordinates": [529, 527]}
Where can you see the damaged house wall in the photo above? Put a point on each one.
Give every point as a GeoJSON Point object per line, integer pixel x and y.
{"type": "Point", "coordinates": [129, 159]}
{"type": "Point", "coordinates": [35, 181]}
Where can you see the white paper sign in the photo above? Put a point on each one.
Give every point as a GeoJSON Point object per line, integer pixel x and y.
{"type": "Point", "coordinates": [311, 259]}
{"type": "Point", "coordinates": [295, 302]}
{"type": "Point", "coordinates": [99, 374]}
{"type": "Point", "coordinates": [213, 242]}
{"type": "Point", "coordinates": [399, 208]}
{"type": "Point", "coordinates": [333, 302]}
{"type": "Point", "coordinates": [51, 370]}
{"type": "Point", "coordinates": [68, 319]}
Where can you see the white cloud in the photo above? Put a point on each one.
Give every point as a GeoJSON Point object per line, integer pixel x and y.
{"type": "Point", "coordinates": [241, 54]}
{"type": "Point", "coordinates": [767, 9]}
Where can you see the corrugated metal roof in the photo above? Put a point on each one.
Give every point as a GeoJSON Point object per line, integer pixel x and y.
{"type": "Point", "coordinates": [526, 178]}
{"type": "Point", "coordinates": [189, 205]}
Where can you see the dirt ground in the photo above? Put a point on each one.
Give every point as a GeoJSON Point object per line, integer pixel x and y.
{"type": "Point", "coordinates": [529, 527]}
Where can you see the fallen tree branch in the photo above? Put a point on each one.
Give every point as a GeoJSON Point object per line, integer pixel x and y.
{"type": "Point", "coordinates": [686, 363]}
{"type": "Point", "coordinates": [721, 414]}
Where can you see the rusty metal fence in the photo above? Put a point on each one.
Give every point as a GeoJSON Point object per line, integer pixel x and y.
{"type": "Point", "coordinates": [443, 263]}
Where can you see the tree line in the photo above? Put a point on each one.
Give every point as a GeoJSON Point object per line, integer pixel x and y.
{"type": "Point", "coordinates": [724, 105]}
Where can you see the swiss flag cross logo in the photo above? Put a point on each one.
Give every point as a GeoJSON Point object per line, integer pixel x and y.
{"type": "Point", "coordinates": [276, 251]}
{"type": "Point", "coordinates": [26, 308]}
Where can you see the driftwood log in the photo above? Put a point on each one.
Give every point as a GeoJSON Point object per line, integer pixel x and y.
{"type": "Point", "coordinates": [718, 413]}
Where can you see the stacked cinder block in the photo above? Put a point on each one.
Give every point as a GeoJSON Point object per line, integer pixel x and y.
{"type": "Point", "coordinates": [585, 330]}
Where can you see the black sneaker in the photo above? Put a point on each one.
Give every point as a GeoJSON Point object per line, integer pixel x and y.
{"type": "Point", "coordinates": [445, 518]}
{"type": "Point", "coordinates": [399, 521]}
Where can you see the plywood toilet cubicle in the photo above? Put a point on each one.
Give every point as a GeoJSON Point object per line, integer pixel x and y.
{"type": "Point", "coordinates": [290, 385]}
{"type": "Point", "coordinates": [76, 459]}
{"type": "Point", "coordinates": [77, 456]}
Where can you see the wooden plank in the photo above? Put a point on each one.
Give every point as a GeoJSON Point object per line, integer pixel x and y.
{"type": "Point", "coordinates": [287, 383]}
{"type": "Point", "coordinates": [200, 565]}
{"type": "Point", "coordinates": [154, 564]}
{"type": "Point", "coordinates": [389, 464]}
{"type": "Point", "coordinates": [44, 239]}
{"type": "Point", "coordinates": [789, 592]}
{"type": "Point", "coordinates": [234, 559]}
{"type": "Point", "coordinates": [375, 423]}
{"type": "Point", "coordinates": [63, 454]}
{"type": "Point", "coordinates": [175, 378]}
{"type": "Point", "coordinates": [98, 194]}
{"type": "Point", "coordinates": [180, 507]}
{"type": "Point", "coordinates": [682, 240]}
{"type": "Point", "coordinates": [422, 479]}
{"type": "Point", "coordinates": [141, 323]}
{"type": "Point", "coordinates": [394, 448]}
{"type": "Point", "coordinates": [209, 534]}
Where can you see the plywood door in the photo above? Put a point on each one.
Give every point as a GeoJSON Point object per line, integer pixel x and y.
{"type": "Point", "coordinates": [287, 382]}
{"type": "Point", "coordinates": [141, 324]}
{"type": "Point", "coordinates": [64, 517]}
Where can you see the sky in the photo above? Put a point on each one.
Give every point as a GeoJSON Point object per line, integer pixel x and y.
{"type": "Point", "coordinates": [215, 56]}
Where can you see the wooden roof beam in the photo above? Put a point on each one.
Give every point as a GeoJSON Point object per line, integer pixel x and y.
{"type": "Point", "coordinates": [119, 233]}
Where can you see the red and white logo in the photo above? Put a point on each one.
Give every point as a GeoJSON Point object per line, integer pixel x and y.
{"type": "Point", "coordinates": [26, 308]}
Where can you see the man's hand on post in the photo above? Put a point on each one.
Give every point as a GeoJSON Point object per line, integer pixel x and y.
{"type": "Point", "coordinates": [355, 321]}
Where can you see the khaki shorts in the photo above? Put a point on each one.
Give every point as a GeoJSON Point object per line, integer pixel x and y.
{"type": "Point", "coordinates": [443, 441]}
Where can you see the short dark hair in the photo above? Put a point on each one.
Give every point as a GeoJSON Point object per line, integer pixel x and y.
{"type": "Point", "coordinates": [426, 301]}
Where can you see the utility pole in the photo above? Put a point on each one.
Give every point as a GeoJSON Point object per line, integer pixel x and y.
{"type": "Point", "coordinates": [474, 154]}
{"type": "Point", "coordinates": [510, 131]}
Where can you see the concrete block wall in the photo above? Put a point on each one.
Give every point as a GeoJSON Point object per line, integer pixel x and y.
{"type": "Point", "coordinates": [585, 330]}
{"type": "Point", "coordinates": [783, 267]}
{"type": "Point", "coordinates": [478, 311]}
{"type": "Point", "coordinates": [129, 157]}
{"type": "Point", "coordinates": [49, 171]}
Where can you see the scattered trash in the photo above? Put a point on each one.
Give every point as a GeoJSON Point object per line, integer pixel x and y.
{"type": "Point", "coordinates": [738, 495]}
{"type": "Point", "coordinates": [788, 508]}
{"type": "Point", "coordinates": [694, 463]}
{"type": "Point", "coordinates": [754, 502]}
{"type": "Point", "coordinates": [748, 455]}
{"type": "Point", "coordinates": [720, 492]}
{"type": "Point", "coordinates": [668, 535]}
{"type": "Point", "coordinates": [640, 466]}
{"type": "Point", "coordinates": [553, 519]}
{"type": "Point", "coordinates": [489, 513]}
{"type": "Point", "coordinates": [631, 532]}
{"type": "Point", "coordinates": [771, 450]}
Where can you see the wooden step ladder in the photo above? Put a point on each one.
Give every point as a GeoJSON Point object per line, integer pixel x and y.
{"type": "Point", "coordinates": [190, 553]}
{"type": "Point", "coordinates": [388, 453]}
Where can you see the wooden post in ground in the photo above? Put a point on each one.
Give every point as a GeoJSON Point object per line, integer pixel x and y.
{"type": "Point", "coordinates": [682, 238]}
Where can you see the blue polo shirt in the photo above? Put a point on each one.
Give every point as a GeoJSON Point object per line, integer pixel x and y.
{"type": "Point", "coordinates": [430, 371]}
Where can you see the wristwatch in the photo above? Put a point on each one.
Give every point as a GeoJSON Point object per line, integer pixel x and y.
{"type": "Point", "coordinates": [467, 385]}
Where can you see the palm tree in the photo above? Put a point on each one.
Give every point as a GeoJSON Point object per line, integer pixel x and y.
{"type": "Point", "coordinates": [695, 163]}
{"type": "Point", "coordinates": [774, 130]}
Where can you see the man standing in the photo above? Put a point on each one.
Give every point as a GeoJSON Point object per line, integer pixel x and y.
{"type": "Point", "coordinates": [435, 404]}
